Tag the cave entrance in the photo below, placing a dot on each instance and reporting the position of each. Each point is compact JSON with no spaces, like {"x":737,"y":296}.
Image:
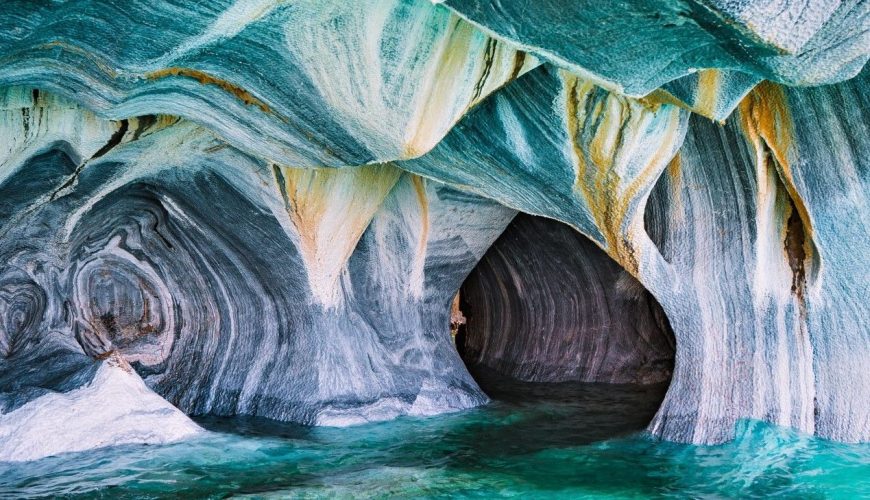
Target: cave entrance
{"x":547,"y":315}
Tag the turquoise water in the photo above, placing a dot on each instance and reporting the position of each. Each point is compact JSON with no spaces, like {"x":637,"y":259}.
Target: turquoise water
{"x":563,"y":440}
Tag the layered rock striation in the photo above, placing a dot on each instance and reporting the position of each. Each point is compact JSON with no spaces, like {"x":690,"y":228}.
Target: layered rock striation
{"x":547,"y":305}
{"x":265,"y":208}
{"x":721,"y":232}
{"x":231,"y":285}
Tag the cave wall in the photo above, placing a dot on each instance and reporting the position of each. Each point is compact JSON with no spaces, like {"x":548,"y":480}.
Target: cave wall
{"x":309,"y":84}
{"x":740,"y":272}
{"x":156,"y":222}
{"x":781,"y":278}
{"x":272,"y":302}
{"x":704,"y":55}
{"x":547,"y":305}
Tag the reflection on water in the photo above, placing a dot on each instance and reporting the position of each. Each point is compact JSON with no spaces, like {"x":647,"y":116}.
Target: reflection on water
{"x":565,"y":440}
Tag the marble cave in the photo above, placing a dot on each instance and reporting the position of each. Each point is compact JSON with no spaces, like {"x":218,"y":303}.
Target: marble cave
{"x":339,"y":218}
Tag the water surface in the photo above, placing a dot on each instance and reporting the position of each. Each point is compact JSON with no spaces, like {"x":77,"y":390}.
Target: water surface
{"x":558,"y":440}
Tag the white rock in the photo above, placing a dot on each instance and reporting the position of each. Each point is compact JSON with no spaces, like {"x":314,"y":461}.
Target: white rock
{"x":115,"y":408}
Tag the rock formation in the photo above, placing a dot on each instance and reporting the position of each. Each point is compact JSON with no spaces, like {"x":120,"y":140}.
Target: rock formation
{"x":547,"y":305}
{"x":266,"y":208}
{"x":722,"y":232}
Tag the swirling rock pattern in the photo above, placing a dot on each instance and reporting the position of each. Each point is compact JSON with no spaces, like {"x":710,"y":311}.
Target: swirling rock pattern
{"x":546,"y":305}
{"x":307,"y":83}
{"x":270,"y":303}
{"x":156,"y":212}
{"x":735,"y":261}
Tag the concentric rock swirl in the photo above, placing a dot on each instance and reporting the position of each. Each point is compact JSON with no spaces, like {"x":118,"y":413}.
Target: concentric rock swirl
{"x":267,"y":208}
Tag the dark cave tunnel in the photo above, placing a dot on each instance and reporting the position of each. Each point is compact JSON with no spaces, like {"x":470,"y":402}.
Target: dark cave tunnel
{"x":547,"y":315}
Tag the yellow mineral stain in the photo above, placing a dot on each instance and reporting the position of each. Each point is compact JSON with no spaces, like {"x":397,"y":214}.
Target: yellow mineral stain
{"x":706,"y":99}
{"x":766,"y":121}
{"x":439,"y":94}
{"x":607,"y":193}
{"x":577,"y":93}
{"x":675,"y":171}
{"x":331,"y":209}
{"x":496,"y":64}
{"x":644,"y":180}
{"x":420,"y":189}
{"x":657,"y":97}
{"x":707,"y":93}
{"x":206,"y":79}
{"x":142,"y":126}
{"x":420,"y":255}
{"x":608,"y":134}
{"x":456,"y":317}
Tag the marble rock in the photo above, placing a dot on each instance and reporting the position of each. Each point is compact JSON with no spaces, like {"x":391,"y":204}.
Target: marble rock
{"x":309,"y":83}
{"x":547,"y":305}
{"x":637,"y":46}
{"x":113,"y":408}
{"x":727,"y":226}
{"x":266,"y":208}
{"x":231,"y":285}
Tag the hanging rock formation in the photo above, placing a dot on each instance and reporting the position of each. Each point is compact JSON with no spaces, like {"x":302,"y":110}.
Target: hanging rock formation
{"x":311,"y":83}
{"x":645,"y":45}
{"x":316,"y":296}
{"x":735,"y":260}
{"x":265,"y":208}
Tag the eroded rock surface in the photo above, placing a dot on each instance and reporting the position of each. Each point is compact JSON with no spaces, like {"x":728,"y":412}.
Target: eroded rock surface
{"x":231,"y":285}
{"x":173,"y":224}
{"x":547,"y":305}
{"x":735,"y":258}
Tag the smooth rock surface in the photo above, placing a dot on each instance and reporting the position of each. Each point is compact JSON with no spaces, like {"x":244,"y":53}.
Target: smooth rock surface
{"x":270,"y":303}
{"x":735,"y":259}
{"x":305,"y":84}
{"x":114,"y":408}
{"x":637,"y":46}
{"x":168,"y":200}
{"x":547,"y":305}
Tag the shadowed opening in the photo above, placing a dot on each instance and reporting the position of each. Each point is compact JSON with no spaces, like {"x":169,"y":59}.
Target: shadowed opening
{"x":546,"y":314}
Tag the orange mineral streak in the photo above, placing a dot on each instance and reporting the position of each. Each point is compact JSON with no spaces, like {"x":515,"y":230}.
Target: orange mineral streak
{"x":767,"y":123}
{"x":611,"y":197}
{"x":456,"y":52}
{"x":164,"y":121}
{"x":706,"y":99}
{"x":675,"y":178}
{"x":707,"y":95}
{"x":331,"y":208}
{"x":420,"y":189}
{"x":419,"y":261}
{"x":660,"y":96}
{"x":206,"y":79}
{"x":304,"y":216}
